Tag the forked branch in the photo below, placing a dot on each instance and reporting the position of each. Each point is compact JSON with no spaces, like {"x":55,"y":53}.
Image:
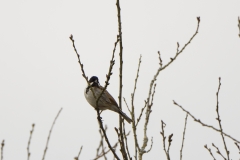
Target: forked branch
{"x":105,"y":87}
{"x":204,"y":124}
{"x":219,"y":120}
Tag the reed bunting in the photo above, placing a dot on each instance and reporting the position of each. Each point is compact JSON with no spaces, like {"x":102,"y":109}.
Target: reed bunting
{"x":105,"y":102}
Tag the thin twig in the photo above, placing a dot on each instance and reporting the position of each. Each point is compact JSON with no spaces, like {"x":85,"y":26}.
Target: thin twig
{"x":101,"y":155}
{"x":122,"y":145}
{"x":77,"y":158}
{"x":134,"y":124}
{"x":133,"y":94}
{"x":2,"y":146}
{"x":119,"y":138}
{"x":184,"y":131}
{"x":219,"y":120}
{"x":114,"y":147}
{"x":209,"y":150}
{"x":164,"y":138}
{"x":105,"y":135}
{"x":112,"y":62}
{"x":178,"y":47}
{"x":204,"y":124}
{"x":152,"y":97}
{"x":29,"y":142}
{"x":149,"y":104}
{"x":150,"y":146}
{"x":125,"y":137}
{"x":49,"y":135}
{"x":140,"y":115}
{"x":126,"y":105}
{"x":239,"y":25}
{"x":102,"y":144}
{"x":218,"y":151}
{"x":179,"y":52}
{"x":79,"y":60}
{"x":237,"y":147}
{"x":169,"y":143}
{"x":80,"y":63}
{"x":160,"y":59}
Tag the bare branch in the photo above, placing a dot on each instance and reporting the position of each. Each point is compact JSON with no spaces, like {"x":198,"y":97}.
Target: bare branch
{"x":79,"y":60}
{"x":106,"y":152}
{"x":101,"y":141}
{"x":119,"y":139}
{"x":122,"y":145}
{"x":184,"y":131}
{"x":105,"y":135}
{"x":152,"y":97}
{"x":127,"y":105}
{"x":204,"y":124}
{"x":29,"y":142}
{"x":140,"y":115}
{"x":209,"y":150}
{"x":77,"y":158}
{"x":169,"y":142}
{"x":150,"y":146}
{"x":152,"y":86}
{"x":49,"y":135}
{"x":112,"y":62}
{"x":219,"y":120}
{"x":102,"y":144}
{"x":160,"y":59}
{"x":125,"y":137}
{"x":2,"y":146}
{"x":134,"y":125}
{"x":105,"y":87}
{"x":218,"y":151}
{"x":164,"y":138}
{"x":179,"y":52}
{"x":148,"y":112}
{"x":133,"y":113}
{"x":239,"y":25}
{"x":133,"y":94}
{"x":237,"y":147}
{"x":178,"y":47}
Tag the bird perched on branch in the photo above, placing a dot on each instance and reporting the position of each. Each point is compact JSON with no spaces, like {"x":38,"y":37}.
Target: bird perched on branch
{"x":106,"y":101}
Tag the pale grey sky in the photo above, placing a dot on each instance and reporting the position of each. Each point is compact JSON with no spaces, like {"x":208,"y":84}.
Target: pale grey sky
{"x":40,"y":73}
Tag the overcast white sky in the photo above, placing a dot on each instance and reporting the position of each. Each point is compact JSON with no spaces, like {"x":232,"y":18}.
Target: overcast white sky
{"x":40,"y":73}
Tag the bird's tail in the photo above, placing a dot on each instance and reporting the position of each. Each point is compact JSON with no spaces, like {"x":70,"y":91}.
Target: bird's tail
{"x":129,"y":120}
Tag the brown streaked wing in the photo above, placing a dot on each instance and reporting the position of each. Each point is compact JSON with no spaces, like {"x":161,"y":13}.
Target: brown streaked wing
{"x":108,"y":95}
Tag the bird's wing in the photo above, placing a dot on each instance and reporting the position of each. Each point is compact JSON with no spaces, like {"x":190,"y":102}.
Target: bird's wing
{"x":107,"y":97}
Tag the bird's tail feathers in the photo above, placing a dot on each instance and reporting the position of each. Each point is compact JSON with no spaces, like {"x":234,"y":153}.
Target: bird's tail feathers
{"x":129,"y":120}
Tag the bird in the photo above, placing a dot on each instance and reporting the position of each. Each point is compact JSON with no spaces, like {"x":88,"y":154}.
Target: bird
{"x":106,"y":101}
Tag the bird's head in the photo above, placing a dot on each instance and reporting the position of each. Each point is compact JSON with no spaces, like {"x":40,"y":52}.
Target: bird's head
{"x":94,"y":81}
